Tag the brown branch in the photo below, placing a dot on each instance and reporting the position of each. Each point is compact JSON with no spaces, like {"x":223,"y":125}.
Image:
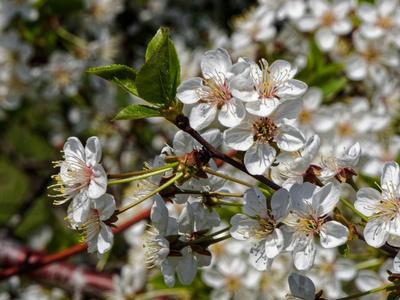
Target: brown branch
{"x":21,"y":260}
{"x":182,"y":122}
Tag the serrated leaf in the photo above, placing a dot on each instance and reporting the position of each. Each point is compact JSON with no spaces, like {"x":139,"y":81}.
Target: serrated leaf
{"x":118,"y":74}
{"x":155,"y":42}
{"x":344,"y":250}
{"x":135,"y":112}
{"x":159,"y":77}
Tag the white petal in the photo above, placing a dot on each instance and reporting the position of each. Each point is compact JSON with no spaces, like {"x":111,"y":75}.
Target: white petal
{"x":183,"y":143}
{"x":304,"y":258}
{"x":216,"y":63}
{"x":375,"y":234}
{"x":168,"y":271}
{"x":356,"y":68}
{"x":254,"y":202}
{"x":289,"y":138}
{"x":187,"y":269}
{"x":98,"y":183}
{"x":274,"y":244}
{"x":280,"y":204}
{"x":367,"y":200}
{"x":396,"y":263}
{"x":105,"y":205}
{"x":159,"y":214}
{"x":342,"y":27}
{"x":301,"y":286}
{"x":105,"y":239}
{"x":242,"y":226}
{"x":259,"y":158}
{"x":325,"y":38}
{"x":239,"y":137}
{"x":288,"y":111}
{"x":93,"y":151}
{"x":301,"y":195}
{"x":307,"y":24}
{"x":292,"y":89}
{"x":232,"y":113}
{"x":326,"y":198}
{"x":263,"y":108}
{"x":390,"y":179}
{"x":72,"y":148}
{"x":202,"y":115}
{"x":333,"y":234}
{"x":258,"y":257}
{"x":188,"y":91}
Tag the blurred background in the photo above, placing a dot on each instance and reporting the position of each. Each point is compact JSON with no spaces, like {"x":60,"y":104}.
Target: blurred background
{"x":346,"y":51}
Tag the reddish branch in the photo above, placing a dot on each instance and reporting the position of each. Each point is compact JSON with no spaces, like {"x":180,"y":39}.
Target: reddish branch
{"x":18,"y":259}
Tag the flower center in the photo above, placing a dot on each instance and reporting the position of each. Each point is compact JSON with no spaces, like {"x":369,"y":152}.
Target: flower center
{"x":385,"y":22}
{"x":264,"y":130}
{"x":327,"y":19}
{"x":215,"y":91}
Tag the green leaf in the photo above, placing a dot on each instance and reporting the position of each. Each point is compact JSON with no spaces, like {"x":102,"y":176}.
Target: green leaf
{"x":155,"y":42}
{"x":118,"y":74}
{"x":333,"y":86}
{"x":134,"y":112}
{"x":370,"y":181}
{"x":344,"y":250}
{"x":159,"y":77}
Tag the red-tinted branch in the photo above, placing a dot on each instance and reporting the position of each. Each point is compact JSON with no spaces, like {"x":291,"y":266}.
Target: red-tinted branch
{"x":182,"y":122}
{"x":20,"y":260}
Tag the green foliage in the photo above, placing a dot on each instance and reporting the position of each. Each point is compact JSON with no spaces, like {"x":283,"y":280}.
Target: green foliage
{"x":65,"y":7}
{"x":327,"y":76}
{"x":344,"y":250}
{"x":369,"y":181}
{"x":137,"y":112}
{"x":159,"y":77}
{"x":120,"y":75}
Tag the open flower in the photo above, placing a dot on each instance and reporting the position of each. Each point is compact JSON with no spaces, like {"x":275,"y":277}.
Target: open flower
{"x":311,"y":206}
{"x":213,"y":93}
{"x":80,"y":172}
{"x":382,"y":208}
{"x":262,"y":224}
{"x":259,"y":135}
{"x":96,"y":231}
{"x":269,"y":87}
{"x":156,"y":244}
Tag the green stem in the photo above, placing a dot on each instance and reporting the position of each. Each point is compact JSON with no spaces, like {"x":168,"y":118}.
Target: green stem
{"x":369,"y":264}
{"x":228,"y":203}
{"x":73,"y":39}
{"x":349,"y":205}
{"x":159,"y":189}
{"x":137,"y":173}
{"x":212,"y":172}
{"x":356,"y":296}
{"x":181,"y":293}
{"x":209,"y":193}
{"x":220,"y":239}
{"x":140,"y":176}
{"x":352,"y":183}
{"x":205,"y":238}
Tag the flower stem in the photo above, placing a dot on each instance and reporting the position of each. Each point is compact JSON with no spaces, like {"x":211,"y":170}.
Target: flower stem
{"x":209,"y":193}
{"x":208,"y":237}
{"x":356,"y":296}
{"x":369,"y":264}
{"x":352,"y":183}
{"x":212,"y":172}
{"x":181,"y":293}
{"x":73,"y":39}
{"x":159,"y":189}
{"x":125,"y":175}
{"x":182,"y":122}
{"x":146,"y":175}
{"x":349,"y":205}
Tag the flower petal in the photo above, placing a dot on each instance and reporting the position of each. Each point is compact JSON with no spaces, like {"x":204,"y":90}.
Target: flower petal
{"x":333,"y":234}
{"x":98,"y":182}
{"x":367,"y":201}
{"x":259,"y":158}
{"x":188,"y":91}
{"x":202,"y":115}
{"x":93,"y":151}
{"x":375,"y":234}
